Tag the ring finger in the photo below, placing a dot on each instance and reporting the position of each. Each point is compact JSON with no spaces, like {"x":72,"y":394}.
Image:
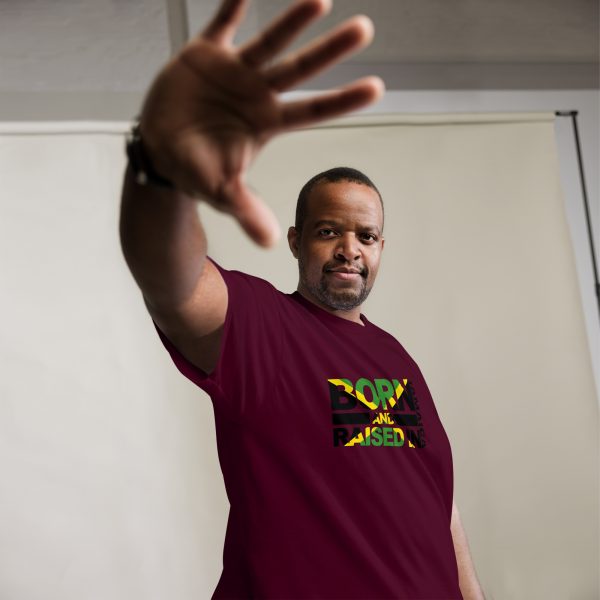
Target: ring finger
{"x":281,"y":32}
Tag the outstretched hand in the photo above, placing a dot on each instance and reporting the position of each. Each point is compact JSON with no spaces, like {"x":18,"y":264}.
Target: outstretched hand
{"x":213,"y":107}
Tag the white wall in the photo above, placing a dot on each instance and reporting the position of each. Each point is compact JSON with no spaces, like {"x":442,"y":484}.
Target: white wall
{"x":108,"y":453}
{"x":587,"y":102}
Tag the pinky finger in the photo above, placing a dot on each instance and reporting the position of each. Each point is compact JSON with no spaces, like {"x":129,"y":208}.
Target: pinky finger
{"x":223,"y":25}
{"x":353,"y":96}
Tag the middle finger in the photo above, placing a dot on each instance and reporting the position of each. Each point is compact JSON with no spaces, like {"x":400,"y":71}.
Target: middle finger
{"x":352,"y":35}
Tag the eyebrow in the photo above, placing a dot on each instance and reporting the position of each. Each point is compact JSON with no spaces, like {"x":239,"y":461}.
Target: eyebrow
{"x":338,"y":223}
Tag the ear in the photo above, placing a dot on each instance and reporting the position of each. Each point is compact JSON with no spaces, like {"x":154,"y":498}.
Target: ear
{"x":293,"y":240}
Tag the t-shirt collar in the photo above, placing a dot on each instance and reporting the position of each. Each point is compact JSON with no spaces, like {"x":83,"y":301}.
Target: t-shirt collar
{"x":329,"y":317}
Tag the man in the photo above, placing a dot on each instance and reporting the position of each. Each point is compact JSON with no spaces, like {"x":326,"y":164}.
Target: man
{"x":336,"y":465}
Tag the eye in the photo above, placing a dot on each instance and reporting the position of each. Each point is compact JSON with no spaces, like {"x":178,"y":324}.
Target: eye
{"x":373,"y":238}
{"x":321,"y":230}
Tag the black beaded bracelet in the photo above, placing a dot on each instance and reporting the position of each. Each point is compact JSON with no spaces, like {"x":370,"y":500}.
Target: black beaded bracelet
{"x":141,"y":166}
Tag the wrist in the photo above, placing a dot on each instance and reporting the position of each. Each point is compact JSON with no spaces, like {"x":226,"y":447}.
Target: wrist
{"x":142,"y":166}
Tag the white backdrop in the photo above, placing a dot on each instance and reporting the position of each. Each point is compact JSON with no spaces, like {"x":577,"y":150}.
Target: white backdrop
{"x":111,"y":485}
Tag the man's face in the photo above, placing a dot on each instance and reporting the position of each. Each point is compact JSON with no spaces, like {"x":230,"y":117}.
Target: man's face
{"x":342,"y":230}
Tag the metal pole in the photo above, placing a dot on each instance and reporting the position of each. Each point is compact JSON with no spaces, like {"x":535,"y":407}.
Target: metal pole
{"x":573,"y":115}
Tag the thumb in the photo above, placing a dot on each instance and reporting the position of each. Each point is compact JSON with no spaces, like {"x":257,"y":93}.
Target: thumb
{"x":254,"y":216}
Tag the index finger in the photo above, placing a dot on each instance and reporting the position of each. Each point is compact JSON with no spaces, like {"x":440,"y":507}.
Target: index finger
{"x":334,"y":103}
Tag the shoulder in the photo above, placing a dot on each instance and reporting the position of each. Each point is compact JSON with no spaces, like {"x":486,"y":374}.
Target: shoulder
{"x":252,"y":300}
{"x":242,"y":279}
{"x":390,"y":341}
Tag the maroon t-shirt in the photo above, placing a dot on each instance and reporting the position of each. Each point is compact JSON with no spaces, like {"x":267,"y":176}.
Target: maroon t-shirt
{"x":336,"y":465}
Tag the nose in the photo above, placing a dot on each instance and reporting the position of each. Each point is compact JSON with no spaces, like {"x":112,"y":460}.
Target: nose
{"x":348,"y":248}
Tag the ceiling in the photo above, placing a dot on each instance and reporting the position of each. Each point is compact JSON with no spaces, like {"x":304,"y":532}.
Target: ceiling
{"x":451,"y":31}
{"x":453,"y":44}
{"x":97,"y":53}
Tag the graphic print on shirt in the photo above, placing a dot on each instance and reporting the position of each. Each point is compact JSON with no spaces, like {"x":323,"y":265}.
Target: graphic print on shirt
{"x":376,"y":412}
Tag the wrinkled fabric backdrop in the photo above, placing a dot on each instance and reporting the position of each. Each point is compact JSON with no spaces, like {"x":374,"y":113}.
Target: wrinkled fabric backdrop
{"x":111,"y":486}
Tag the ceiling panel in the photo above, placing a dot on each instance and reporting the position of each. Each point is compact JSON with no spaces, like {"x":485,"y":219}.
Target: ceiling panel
{"x":64,"y":45}
{"x":82,"y":58}
{"x":437,"y":31}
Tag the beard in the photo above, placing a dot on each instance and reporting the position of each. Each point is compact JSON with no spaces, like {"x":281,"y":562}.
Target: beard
{"x":337,"y":297}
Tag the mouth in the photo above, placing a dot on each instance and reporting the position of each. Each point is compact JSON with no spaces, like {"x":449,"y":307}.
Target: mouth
{"x":344,"y":274}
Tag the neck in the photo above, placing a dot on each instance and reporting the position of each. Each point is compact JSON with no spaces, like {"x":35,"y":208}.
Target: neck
{"x":352,"y":314}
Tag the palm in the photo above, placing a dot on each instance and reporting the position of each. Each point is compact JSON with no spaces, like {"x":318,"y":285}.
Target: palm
{"x":213,"y":106}
{"x":225,"y":113}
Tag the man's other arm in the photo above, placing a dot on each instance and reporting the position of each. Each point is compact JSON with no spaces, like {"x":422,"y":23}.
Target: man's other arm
{"x":467,"y":578}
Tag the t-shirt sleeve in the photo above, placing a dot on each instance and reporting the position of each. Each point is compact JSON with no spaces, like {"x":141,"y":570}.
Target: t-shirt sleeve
{"x":251,"y":341}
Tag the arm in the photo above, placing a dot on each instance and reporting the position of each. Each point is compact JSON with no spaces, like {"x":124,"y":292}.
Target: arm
{"x":467,"y":579}
{"x":206,"y":116}
{"x":164,"y":245}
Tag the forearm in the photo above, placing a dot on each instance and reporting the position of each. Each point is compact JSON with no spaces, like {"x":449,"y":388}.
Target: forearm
{"x":467,"y":578}
{"x":163,"y":241}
